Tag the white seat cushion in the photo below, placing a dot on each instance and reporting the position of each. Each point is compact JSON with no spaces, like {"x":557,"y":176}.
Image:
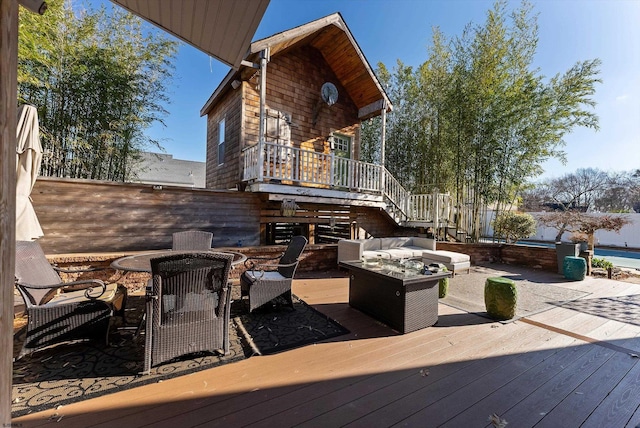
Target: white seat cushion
{"x":399,"y":253}
{"x":445,"y":256}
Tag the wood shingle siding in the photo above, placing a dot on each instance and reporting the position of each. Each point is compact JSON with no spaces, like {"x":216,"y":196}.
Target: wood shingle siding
{"x":293,"y":87}
{"x":225,"y":175}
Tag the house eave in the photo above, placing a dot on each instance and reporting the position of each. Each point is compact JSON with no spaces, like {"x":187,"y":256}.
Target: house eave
{"x":220,"y":28}
{"x":217,"y":93}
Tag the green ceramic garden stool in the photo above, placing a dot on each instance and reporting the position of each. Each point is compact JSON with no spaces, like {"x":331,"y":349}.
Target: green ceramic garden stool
{"x":500,"y":298}
{"x":574,"y":268}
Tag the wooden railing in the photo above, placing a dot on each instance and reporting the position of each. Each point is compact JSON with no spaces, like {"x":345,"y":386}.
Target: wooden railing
{"x":290,"y":164}
{"x":396,"y":196}
{"x":280,"y":162}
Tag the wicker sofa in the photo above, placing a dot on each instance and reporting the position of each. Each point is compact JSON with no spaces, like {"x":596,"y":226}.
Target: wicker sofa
{"x":399,"y":248}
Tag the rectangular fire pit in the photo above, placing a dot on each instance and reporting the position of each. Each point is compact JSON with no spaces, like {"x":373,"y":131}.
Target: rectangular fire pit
{"x":400,"y":296}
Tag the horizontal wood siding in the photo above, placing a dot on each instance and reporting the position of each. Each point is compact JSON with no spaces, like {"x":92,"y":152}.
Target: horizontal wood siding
{"x":373,"y":222}
{"x":88,"y":216}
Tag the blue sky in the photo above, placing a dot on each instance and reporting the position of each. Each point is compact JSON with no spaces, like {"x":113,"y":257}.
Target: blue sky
{"x":388,"y":30}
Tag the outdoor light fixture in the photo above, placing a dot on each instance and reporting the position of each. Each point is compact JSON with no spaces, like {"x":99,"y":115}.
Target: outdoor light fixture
{"x":288,"y":208}
{"x":35,"y":6}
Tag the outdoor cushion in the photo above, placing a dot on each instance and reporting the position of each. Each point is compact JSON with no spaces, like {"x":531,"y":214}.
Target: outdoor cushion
{"x":445,"y":256}
{"x":402,"y":253}
{"x":268,"y":275}
{"x":79,"y":296}
{"x":394,"y":242}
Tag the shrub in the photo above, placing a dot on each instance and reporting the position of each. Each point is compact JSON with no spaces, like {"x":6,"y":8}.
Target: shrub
{"x":601,"y":263}
{"x":513,"y":226}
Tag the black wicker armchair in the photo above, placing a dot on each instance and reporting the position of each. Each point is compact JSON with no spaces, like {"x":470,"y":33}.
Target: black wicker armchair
{"x":188,"y":306}
{"x":262,"y":281}
{"x":60,"y":312}
{"x":192,"y":240}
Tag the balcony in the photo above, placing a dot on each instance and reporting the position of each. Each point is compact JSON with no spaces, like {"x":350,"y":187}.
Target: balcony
{"x":283,"y":169}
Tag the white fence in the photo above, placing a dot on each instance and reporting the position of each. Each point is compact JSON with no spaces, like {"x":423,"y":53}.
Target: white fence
{"x":629,"y":235}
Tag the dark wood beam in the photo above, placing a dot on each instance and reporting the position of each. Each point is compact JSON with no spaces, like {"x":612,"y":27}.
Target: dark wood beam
{"x":8,"y":96}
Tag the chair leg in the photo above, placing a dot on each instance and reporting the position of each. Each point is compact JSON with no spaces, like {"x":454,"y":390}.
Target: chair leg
{"x":289,"y":298}
{"x":148,"y":337}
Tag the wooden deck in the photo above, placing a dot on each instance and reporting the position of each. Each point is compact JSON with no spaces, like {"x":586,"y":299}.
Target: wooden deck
{"x":559,"y":368}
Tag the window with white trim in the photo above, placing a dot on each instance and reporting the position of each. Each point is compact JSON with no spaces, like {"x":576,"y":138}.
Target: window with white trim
{"x":341,"y":143}
{"x":221,"y":138}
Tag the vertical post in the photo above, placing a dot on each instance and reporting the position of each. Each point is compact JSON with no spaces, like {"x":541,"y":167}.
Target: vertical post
{"x":332,"y":171}
{"x":8,"y":123}
{"x":436,"y":220}
{"x":383,"y":132}
{"x":264,"y":59}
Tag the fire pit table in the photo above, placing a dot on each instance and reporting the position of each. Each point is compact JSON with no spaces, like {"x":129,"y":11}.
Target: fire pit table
{"x":395,"y":292}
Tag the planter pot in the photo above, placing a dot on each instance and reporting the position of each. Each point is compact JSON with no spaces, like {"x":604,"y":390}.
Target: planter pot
{"x":443,"y":285}
{"x":574,"y":268}
{"x":564,"y":249}
{"x":500,"y":298}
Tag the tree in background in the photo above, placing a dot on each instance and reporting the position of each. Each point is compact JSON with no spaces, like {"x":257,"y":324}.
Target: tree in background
{"x":477,"y":119}
{"x":588,"y":189}
{"x":98,"y":82}
{"x":578,"y":222}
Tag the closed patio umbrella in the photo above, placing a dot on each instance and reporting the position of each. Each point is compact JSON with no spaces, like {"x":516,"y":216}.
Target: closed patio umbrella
{"x":28,"y":159}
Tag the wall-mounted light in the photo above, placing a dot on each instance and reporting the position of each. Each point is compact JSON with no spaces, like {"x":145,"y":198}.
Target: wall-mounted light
{"x":35,"y":6}
{"x":288,"y":208}
{"x":157,"y":187}
{"x":236,"y":84}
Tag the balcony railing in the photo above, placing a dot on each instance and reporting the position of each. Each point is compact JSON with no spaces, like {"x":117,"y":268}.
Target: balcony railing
{"x":280,"y":162}
{"x":296,"y":166}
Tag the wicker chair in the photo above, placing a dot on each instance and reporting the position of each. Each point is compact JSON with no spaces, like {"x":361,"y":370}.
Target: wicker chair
{"x":188,"y":306}
{"x":60,"y":312}
{"x":192,"y":240}
{"x":262,"y":282}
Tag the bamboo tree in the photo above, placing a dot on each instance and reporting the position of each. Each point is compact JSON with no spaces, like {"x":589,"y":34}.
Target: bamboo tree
{"x":477,"y":119}
{"x":98,"y":81}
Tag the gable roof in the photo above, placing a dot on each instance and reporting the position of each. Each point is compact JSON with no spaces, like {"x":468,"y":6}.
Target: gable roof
{"x":331,"y":36}
{"x":220,"y":28}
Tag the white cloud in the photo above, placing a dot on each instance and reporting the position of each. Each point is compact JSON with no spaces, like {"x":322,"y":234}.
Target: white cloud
{"x":622,"y":98}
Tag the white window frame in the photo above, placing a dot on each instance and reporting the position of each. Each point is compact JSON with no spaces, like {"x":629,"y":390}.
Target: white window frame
{"x":341,"y":142}
{"x":221,"y":140}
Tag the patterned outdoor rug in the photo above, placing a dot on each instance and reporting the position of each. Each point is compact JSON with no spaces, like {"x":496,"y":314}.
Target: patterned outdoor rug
{"x":625,"y":309}
{"x":73,"y":372}
{"x":537,"y":291}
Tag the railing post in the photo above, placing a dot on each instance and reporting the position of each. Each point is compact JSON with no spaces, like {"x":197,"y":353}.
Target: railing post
{"x":260,"y":157}
{"x":332,"y":172}
{"x":264,"y":59}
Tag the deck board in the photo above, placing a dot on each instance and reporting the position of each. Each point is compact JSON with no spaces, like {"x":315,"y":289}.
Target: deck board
{"x":554,"y":372}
